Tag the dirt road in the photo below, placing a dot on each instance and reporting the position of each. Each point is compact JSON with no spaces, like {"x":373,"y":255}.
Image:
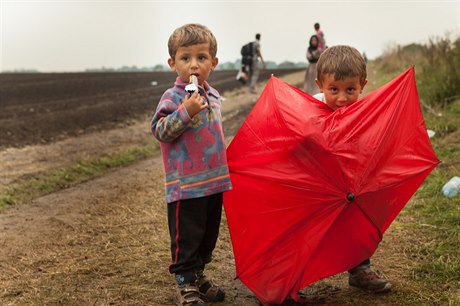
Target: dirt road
{"x":105,"y":242}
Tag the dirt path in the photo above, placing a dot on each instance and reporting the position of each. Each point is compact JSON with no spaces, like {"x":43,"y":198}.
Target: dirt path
{"x":105,"y":242}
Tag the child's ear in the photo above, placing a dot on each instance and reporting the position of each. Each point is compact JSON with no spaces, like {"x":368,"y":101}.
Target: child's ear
{"x":172,"y":64}
{"x":215,"y":61}
{"x":318,"y":83}
{"x":362,"y":86}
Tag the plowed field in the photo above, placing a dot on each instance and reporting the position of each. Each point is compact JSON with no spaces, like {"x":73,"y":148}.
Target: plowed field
{"x":45,"y":107}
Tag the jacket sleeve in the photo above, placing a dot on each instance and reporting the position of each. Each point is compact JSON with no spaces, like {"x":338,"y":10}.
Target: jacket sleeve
{"x":170,"y":119}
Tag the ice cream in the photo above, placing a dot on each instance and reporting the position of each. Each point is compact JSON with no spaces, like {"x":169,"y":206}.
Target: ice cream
{"x":193,"y":86}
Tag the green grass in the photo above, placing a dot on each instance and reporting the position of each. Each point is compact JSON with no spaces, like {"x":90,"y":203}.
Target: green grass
{"x":65,"y":177}
{"x":438,"y":217}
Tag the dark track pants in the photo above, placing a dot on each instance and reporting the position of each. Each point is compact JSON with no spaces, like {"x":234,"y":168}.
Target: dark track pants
{"x":365,"y":263}
{"x":193,"y":229}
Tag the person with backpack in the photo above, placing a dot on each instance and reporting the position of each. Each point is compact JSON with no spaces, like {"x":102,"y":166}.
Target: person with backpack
{"x":253,"y":63}
{"x":246,"y":62}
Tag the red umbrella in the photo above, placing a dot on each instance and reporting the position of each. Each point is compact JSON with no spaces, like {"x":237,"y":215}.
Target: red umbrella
{"x":314,"y":190}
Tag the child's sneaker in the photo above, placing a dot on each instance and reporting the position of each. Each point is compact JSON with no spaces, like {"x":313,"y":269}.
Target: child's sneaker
{"x":365,"y":278}
{"x":210,"y":292}
{"x":188,"y":295}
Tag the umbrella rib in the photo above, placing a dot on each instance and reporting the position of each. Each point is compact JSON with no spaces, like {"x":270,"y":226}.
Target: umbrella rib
{"x":257,"y":136}
{"x":381,"y":143}
{"x":370,"y":221}
{"x":283,"y":121}
{"x":316,"y":162}
{"x":270,"y":180}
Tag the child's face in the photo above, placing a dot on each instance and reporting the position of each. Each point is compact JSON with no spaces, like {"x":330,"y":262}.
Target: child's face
{"x":339,"y":93}
{"x":194,"y":59}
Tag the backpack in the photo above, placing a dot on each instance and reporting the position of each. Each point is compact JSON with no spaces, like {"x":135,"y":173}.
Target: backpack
{"x":247,"y":53}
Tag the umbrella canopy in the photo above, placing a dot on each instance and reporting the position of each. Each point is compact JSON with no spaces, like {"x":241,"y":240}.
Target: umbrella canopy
{"x":314,"y":190}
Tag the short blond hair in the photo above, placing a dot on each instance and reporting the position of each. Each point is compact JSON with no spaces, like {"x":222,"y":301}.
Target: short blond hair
{"x":341,"y":61}
{"x":191,"y":34}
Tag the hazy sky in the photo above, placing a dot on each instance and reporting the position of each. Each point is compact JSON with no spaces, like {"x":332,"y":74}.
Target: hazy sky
{"x":72,"y":35}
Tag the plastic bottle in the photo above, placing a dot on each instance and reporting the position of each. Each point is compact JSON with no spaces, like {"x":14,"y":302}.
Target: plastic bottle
{"x":452,"y":187}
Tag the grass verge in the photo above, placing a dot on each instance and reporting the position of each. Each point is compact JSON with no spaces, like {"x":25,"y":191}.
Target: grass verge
{"x":435,"y":219}
{"x":438,"y":218}
{"x":83,"y":170}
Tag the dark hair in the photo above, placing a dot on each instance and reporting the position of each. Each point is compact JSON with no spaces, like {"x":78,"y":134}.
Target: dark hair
{"x":316,"y":26}
{"x":341,"y":62}
{"x":257,"y":36}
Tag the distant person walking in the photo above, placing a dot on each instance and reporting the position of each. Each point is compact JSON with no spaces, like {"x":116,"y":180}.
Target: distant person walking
{"x":254,"y":69}
{"x":313,"y":53}
{"x":321,"y":39}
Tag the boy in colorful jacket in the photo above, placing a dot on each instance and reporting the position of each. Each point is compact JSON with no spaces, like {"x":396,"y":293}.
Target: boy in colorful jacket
{"x":189,"y":128}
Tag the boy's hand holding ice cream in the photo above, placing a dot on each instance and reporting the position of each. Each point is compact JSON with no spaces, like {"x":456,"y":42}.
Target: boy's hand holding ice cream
{"x":194,"y":103}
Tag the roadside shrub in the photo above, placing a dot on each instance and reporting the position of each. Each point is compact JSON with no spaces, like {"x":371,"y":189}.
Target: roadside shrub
{"x":400,"y":57}
{"x":440,"y":80}
{"x":437,"y":66}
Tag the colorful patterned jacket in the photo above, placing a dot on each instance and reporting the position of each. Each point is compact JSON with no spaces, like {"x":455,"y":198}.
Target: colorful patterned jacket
{"x":193,"y":150}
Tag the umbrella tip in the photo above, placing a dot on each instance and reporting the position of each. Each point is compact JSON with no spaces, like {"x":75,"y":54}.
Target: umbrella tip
{"x":350,"y":196}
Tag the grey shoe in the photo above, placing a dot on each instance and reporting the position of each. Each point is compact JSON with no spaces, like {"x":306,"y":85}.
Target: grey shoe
{"x":188,"y":295}
{"x":365,"y":278}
